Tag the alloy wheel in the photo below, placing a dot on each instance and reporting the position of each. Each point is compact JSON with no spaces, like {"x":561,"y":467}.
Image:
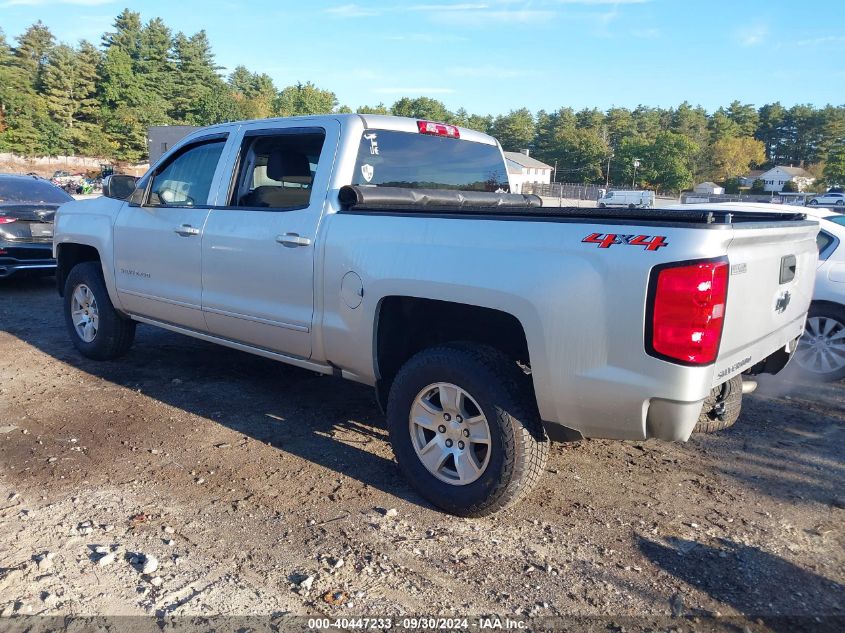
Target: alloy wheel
{"x":822,"y":348}
{"x":450,"y":434}
{"x":84,"y":313}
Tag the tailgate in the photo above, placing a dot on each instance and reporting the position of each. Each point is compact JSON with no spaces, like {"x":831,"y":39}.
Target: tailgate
{"x":772,"y":274}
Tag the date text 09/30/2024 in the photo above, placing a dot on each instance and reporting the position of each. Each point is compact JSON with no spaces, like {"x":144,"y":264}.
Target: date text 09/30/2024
{"x":421,"y":623}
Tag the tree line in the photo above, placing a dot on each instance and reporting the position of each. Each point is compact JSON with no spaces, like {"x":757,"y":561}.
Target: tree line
{"x":58,"y":99}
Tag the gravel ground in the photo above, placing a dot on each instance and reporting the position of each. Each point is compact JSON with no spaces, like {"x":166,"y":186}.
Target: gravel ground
{"x":188,"y":479}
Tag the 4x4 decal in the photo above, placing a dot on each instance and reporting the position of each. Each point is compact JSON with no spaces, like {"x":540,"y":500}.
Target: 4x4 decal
{"x":606,"y":240}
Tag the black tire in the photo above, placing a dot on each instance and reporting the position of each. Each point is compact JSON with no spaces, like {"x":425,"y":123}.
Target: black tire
{"x":840,"y":203}
{"x":602,"y":205}
{"x":721,"y":408}
{"x":115,"y":333}
{"x":518,"y":444}
{"x":632,"y":206}
{"x":814,"y":203}
{"x":829,"y":312}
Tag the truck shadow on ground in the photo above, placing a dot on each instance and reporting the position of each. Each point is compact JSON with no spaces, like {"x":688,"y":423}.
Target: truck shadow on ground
{"x":752,"y":582}
{"x":790,"y":449}
{"x":326,"y":420}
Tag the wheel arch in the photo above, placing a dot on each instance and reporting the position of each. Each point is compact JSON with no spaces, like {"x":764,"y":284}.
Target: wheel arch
{"x":70,"y":254}
{"x":405,"y":325}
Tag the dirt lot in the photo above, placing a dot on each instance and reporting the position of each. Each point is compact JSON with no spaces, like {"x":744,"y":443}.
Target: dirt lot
{"x":263,"y":489}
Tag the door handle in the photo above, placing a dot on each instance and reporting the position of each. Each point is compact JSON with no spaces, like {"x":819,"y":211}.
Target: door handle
{"x":293,"y":240}
{"x":186,"y":230}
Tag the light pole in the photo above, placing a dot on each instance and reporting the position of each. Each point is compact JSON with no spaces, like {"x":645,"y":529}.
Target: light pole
{"x":634,"y":179}
{"x":607,"y":176}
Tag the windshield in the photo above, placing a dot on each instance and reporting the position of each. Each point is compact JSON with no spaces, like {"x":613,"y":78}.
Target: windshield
{"x":420,"y":161}
{"x":30,"y":191}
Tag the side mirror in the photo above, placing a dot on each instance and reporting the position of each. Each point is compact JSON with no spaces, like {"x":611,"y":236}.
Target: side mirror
{"x":119,"y":186}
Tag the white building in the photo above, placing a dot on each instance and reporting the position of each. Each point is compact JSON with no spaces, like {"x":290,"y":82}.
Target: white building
{"x":748,"y":180}
{"x":523,"y":169}
{"x":709,"y":188}
{"x":777,"y":177}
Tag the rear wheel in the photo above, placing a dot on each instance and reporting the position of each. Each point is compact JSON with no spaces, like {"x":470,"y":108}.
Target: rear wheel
{"x":97,"y":330}
{"x":814,"y":202}
{"x":464,"y":429}
{"x":821,"y":351}
{"x":721,"y":408}
{"x":602,"y":205}
{"x":840,"y":203}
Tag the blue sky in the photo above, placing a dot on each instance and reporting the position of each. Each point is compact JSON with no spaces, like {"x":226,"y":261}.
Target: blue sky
{"x":491,"y":56}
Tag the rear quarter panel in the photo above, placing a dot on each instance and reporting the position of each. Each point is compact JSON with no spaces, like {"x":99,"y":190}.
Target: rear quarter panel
{"x":582,"y":307}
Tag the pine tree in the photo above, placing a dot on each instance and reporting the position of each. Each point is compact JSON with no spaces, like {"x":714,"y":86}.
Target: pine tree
{"x":126,"y":35}
{"x":20,"y":106}
{"x":155,"y":70}
{"x":196,"y":76}
{"x":33,"y":50}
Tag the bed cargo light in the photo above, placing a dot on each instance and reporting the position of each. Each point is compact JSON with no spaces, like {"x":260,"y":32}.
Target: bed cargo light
{"x":438,"y":129}
{"x":688,"y":311}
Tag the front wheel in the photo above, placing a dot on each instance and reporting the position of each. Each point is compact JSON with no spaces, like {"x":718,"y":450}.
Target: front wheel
{"x":840,"y":203}
{"x":97,"y":330}
{"x":814,"y":203}
{"x":464,"y":429}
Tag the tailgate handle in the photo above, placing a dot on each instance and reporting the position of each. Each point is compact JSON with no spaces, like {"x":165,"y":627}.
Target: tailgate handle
{"x":787,"y":268}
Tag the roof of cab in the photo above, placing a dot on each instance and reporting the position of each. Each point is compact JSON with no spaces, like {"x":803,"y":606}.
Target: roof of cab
{"x":370,"y":121}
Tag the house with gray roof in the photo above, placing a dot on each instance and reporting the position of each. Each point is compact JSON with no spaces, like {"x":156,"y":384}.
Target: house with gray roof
{"x":775,"y":178}
{"x":522,"y":170}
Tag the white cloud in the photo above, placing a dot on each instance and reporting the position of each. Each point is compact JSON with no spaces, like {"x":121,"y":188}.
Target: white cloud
{"x":352,"y":11}
{"x":498,"y":10}
{"x":410,"y":91}
{"x":602,"y":2}
{"x":821,"y":40}
{"x":40,"y":3}
{"x":466,"y":6}
{"x":752,"y":35}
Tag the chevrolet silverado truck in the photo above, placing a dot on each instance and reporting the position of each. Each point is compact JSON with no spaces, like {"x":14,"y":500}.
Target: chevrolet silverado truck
{"x":388,"y":251}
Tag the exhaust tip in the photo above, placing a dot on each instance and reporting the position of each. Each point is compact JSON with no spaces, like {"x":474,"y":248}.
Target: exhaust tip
{"x":748,"y":386}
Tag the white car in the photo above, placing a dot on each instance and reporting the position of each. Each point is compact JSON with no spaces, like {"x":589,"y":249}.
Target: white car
{"x":821,"y":352}
{"x":828,"y":200}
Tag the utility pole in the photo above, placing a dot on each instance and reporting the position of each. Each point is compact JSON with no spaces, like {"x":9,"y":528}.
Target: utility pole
{"x":607,"y":179}
{"x":634,"y":179}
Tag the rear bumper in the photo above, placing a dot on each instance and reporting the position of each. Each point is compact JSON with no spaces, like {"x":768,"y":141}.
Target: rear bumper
{"x":16,"y":257}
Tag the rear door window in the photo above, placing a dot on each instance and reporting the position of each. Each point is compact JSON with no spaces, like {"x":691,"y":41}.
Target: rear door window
{"x":276,"y":170}
{"x":388,"y":158}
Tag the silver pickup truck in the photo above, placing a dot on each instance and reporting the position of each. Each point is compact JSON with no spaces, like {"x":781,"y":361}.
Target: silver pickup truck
{"x":388,"y":251}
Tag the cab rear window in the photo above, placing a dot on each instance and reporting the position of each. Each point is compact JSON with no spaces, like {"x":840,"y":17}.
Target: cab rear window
{"x":387,"y":158}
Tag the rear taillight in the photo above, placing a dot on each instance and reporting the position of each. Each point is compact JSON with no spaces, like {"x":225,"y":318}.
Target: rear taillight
{"x":438,"y":129}
{"x":687,"y":311}
{"x":7,"y":220}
